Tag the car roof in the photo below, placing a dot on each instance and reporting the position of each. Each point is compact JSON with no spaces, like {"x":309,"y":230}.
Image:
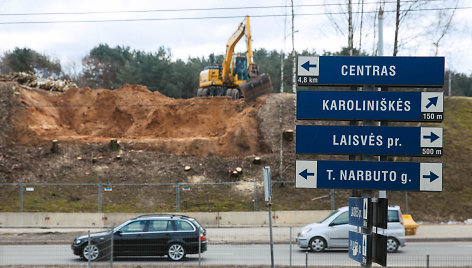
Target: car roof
{"x":162,"y":216}
{"x":389,"y":207}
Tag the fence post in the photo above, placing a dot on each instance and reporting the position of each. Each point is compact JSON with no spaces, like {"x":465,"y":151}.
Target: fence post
{"x":21,"y":197}
{"x":290,"y":263}
{"x":111,"y":248}
{"x":177,"y":196}
{"x":332,"y":200}
{"x":427,"y":261}
{"x":89,"y":250}
{"x":199,"y":246}
{"x":306,"y":259}
{"x":100,"y":197}
{"x":255,"y":195}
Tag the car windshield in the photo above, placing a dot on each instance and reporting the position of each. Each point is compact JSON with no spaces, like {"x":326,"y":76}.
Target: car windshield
{"x":336,"y":211}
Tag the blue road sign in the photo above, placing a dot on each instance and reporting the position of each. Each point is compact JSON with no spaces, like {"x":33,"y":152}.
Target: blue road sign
{"x":379,"y":71}
{"x":361,"y":105}
{"x":359,"y":211}
{"x":411,"y":141}
{"x":360,"y":247}
{"x":400,"y":176}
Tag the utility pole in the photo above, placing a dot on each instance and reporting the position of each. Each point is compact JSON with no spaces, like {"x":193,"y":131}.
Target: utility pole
{"x":449,"y":84}
{"x":350,"y":38}
{"x":382,"y":194}
{"x":294,"y":79}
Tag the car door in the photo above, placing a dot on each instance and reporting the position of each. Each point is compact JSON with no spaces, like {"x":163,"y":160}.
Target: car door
{"x":185,"y":233}
{"x":339,"y":231}
{"x":128,"y":241}
{"x":157,"y":236}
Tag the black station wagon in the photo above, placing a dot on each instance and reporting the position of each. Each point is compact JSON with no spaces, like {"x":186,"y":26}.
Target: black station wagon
{"x":147,"y":235}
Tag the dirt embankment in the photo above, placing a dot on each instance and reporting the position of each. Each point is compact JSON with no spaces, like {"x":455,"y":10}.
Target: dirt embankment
{"x":160,"y":136}
{"x":133,"y":114}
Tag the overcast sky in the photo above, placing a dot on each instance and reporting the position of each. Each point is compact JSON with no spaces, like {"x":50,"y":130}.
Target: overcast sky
{"x":192,"y":28}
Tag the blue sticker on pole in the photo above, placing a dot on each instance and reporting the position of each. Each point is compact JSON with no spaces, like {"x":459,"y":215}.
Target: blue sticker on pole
{"x":377,"y":71}
{"x":362,"y":105}
{"x":398,"y":176}
{"x":408,"y":141}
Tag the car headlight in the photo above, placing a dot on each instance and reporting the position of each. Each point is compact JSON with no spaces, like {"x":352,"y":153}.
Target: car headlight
{"x":304,"y":232}
{"x":77,"y":241}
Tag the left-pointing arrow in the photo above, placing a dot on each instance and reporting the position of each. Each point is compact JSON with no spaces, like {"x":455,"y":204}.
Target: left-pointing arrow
{"x":305,"y":174}
{"x":431,"y":176}
{"x":307,"y":65}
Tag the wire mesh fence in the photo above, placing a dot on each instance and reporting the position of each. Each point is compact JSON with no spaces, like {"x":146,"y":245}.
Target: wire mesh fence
{"x":103,"y":197}
{"x":229,"y":247}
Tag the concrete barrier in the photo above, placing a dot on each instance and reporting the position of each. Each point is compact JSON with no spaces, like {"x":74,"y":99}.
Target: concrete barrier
{"x":207,"y":219}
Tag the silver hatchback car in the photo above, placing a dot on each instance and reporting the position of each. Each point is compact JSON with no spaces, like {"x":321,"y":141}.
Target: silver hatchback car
{"x":333,"y":232}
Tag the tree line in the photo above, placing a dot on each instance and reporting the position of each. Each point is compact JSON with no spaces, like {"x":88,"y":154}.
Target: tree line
{"x":111,"y":67}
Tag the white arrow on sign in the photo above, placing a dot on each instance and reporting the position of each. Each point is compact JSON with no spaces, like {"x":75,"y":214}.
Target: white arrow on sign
{"x":365,"y":212}
{"x":364,"y":245}
{"x":431,"y":177}
{"x":431,"y":137}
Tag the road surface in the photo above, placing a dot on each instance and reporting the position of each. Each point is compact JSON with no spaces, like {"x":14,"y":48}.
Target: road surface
{"x":414,"y":254}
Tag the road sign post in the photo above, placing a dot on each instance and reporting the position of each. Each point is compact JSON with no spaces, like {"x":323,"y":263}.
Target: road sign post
{"x":359,"y":208}
{"x":395,"y":176}
{"x":408,"y":141}
{"x":379,"y":71}
{"x":360,"y":247}
{"x":369,"y":140}
{"x":374,"y":105}
{"x":366,"y":212}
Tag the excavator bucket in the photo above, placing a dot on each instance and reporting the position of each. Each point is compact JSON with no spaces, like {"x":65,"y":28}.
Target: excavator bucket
{"x":256,"y":87}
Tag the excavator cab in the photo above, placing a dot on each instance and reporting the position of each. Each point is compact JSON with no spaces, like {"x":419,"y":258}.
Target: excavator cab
{"x":240,"y":67}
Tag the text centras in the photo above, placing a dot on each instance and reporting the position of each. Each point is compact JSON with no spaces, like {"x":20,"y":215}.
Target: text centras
{"x":368,"y":70}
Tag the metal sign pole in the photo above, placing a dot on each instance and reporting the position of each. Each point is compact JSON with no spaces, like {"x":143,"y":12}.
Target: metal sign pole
{"x":268,"y":198}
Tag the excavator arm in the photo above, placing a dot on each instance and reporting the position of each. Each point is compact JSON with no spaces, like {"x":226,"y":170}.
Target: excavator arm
{"x":232,"y":41}
{"x":249,"y":55}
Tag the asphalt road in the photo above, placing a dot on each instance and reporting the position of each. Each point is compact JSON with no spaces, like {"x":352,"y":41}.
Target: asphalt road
{"x":414,"y":254}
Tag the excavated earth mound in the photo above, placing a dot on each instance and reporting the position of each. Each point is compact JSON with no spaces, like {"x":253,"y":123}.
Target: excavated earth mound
{"x":133,"y":114}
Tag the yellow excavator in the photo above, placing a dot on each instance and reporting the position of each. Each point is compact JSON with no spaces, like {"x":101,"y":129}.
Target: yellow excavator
{"x":238,"y":77}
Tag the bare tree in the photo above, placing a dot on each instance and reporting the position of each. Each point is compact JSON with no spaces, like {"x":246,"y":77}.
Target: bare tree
{"x":443,"y":26}
{"x":350,"y":38}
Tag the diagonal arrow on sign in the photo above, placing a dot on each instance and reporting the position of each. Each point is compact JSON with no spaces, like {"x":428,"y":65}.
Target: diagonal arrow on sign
{"x":432,"y":137}
{"x":432,"y":101}
{"x":305,"y":174}
{"x":432,"y":176}
{"x":307,"y":65}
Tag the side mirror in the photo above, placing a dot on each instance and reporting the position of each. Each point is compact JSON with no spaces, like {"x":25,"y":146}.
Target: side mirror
{"x":118,"y":232}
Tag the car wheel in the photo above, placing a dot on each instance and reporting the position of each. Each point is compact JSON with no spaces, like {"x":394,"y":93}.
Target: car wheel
{"x":176,"y":252}
{"x":392,"y":244}
{"x":317,"y":244}
{"x":91,"y":252}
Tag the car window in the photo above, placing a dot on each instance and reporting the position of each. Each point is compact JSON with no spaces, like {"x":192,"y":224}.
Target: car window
{"x":343,"y":218}
{"x":183,"y":226}
{"x":134,"y":227}
{"x":393,"y":216}
{"x":159,"y":226}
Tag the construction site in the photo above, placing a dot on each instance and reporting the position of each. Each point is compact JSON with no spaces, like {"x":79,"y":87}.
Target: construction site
{"x":135,"y":136}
